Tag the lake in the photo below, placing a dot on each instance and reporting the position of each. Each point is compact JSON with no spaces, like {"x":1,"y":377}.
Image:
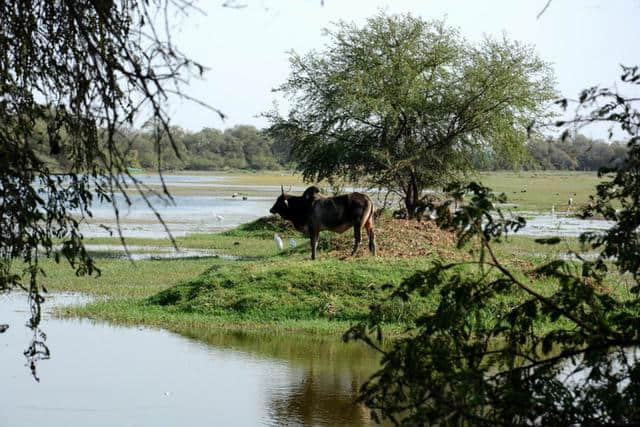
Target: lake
{"x":104,"y":375}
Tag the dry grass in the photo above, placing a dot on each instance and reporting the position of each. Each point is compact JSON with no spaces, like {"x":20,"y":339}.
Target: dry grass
{"x":400,"y":238}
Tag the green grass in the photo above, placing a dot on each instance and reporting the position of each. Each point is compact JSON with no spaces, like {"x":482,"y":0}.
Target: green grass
{"x":133,"y":312}
{"x":275,"y":292}
{"x":121,"y":278}
{"x":531,"y":190}
{"x":539,"y":190}
{"x":280,"y":294}
{"x":262,"y":228}
{"x":525,"y":248}
{"x":223,"y":243}
{"x":284,"y":295}
{"x":292,"y":289}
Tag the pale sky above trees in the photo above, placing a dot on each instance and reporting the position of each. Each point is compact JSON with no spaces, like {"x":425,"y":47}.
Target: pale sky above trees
{"x":245,"y":48}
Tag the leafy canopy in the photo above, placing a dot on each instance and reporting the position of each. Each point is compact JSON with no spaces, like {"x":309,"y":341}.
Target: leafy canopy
{"x":499,"y":350}
{"x":73,"y":75}
{"x":401,"y":103}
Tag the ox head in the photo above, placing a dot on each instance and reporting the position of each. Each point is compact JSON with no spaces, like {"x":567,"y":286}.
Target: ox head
{"x":311,"y":193}
{"x":281,"y":206}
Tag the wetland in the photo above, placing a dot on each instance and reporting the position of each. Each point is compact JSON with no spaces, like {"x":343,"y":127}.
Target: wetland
{"x":225,"y":327}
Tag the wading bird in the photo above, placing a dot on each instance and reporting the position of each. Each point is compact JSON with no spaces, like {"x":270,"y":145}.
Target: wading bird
{"x":278,"y":240}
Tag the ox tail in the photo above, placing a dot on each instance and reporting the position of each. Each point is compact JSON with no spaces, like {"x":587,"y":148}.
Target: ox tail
{"x":367,"y":222}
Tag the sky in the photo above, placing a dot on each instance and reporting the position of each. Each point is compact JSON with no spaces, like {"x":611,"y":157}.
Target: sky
{"x":246,"y":48}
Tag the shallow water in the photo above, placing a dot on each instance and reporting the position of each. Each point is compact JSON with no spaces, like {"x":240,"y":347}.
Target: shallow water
{"x":200,"y":203}
{"x":104,"y":375}
{"x":187,"y":214}
{"x":558,"y":225}
{"x":139,"y":252}
{"x":208,"y":206}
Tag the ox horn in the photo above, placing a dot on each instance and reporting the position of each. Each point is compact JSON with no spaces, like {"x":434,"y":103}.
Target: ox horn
{"x":282,"y":189}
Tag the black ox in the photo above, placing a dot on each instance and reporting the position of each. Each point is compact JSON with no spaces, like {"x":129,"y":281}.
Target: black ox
{"x":312,"y":213}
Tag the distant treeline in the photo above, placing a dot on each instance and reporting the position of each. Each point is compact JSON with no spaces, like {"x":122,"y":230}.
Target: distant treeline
{"x":240,"y":147}
{"x":247,"y":147}
{"x":579,"y":153}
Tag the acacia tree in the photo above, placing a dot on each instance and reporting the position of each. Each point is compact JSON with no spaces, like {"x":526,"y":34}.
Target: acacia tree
{"x":401,"y":103}
{"x":501,"y":350}
{"x":73,"y":74}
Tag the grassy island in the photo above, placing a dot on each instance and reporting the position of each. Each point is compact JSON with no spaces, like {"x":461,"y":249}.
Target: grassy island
{"x":251,"y":286}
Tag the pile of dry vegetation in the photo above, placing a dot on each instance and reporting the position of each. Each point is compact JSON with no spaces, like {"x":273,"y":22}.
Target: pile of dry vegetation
{"x":399,"y":238}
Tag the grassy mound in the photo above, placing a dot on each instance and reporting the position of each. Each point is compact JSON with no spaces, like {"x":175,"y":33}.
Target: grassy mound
{"x":287,"y":287}
{"x":293,"y":290}
{"x":273,"y":290}
{"x":263,"y":228}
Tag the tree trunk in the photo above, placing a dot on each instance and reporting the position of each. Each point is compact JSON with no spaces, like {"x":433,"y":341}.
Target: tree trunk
{"x":412,"y":197}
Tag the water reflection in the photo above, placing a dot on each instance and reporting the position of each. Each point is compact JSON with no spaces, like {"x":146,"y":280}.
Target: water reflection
{"x":325,"y":375}
{"x":102,"y":375}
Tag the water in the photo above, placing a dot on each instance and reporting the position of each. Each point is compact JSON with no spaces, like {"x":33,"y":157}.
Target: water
{"x":558,"y":225}
{"x":188,"y":214}
{"x":139,"y":252}
{"x":104,"y":375}
{"x":101,"y":374}
{"x":200,"y":204}
{"x":204,"y":203}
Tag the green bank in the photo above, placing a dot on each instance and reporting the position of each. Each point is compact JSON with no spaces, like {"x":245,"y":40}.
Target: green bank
{"x":281,"y":291}
{"x":259,"y":288}
{"x":538,"y":191}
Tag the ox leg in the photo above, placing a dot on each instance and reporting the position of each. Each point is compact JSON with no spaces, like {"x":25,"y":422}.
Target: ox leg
{"x":314,"y":243}
{"x":372,"y":238}
{"x":357,"y":238}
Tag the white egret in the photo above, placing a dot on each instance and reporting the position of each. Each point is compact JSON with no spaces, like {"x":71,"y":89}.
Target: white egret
{"x":278,"y":240}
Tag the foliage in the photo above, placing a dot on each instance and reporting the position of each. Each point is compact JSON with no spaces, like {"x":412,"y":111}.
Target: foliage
{"x":73,"y":75}
{"x":577,"y":153}
{"x":402,"y":103}
{"x":239,"y":147}
{"x":618,"y":199}
{"x":455,"y":369}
